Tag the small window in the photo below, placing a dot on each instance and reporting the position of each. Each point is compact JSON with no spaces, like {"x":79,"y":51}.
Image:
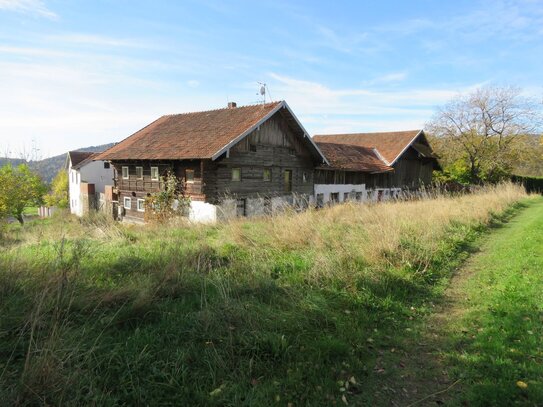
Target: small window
{"x":292,"y":151}
{"x":266,"y":174}
{"x":139,"y":172}
{"x":236,"y":174}
{"x":345,"y":196}
{"x":106,"y":165}
{"x":125,"y":172}
{"x":252,"y":147}
{"x":127,"y":203}
{"x":334,"y":197}
{"x":189,"y":176}
{"x":141,"y":205}
{"x":154,"y":173}
{"x":305,"y":177}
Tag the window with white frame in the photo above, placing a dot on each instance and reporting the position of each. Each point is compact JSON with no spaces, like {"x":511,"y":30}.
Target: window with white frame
{"x":139,"y":172}
{"x":127,"y":202}
{"x":141,"y":205}
{"x":154,"y":173}
{"x":125,"y":172}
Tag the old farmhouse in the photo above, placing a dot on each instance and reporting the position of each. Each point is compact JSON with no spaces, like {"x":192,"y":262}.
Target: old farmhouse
{"x":252,"y":160}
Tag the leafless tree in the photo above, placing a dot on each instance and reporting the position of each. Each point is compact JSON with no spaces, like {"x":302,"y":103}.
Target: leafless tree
{"x":484,"y":128}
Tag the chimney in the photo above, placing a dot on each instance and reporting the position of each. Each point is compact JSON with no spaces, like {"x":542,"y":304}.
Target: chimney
{"x":232,"y":105}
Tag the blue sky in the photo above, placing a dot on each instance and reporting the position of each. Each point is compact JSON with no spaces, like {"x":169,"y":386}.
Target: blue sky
{"x":79,"y":73}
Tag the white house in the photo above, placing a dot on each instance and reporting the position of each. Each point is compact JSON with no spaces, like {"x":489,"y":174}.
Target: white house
{"x":81,"y":168}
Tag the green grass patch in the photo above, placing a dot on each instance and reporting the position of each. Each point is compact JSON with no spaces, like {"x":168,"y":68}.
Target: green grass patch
{"x":498,"y":345}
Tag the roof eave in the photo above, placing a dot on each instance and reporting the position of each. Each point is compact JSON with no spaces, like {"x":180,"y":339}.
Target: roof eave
{"x":406,"y":147}
{"x":246,"y":132}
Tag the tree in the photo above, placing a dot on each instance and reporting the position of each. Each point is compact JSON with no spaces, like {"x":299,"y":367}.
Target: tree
{"x":19,"y":188}
{"x":59,"y":195}
{"x":483,"y":130}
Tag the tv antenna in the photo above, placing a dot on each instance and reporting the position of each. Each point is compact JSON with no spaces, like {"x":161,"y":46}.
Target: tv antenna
{"x":262,"y":92}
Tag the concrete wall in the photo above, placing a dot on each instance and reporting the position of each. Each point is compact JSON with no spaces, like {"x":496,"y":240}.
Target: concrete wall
{"x":353,"y":192}
{"x":202,"y":212}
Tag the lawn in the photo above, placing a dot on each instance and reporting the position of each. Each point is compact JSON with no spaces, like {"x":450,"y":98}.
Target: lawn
{"x":498,"y":346}
{"x":295,"y":309}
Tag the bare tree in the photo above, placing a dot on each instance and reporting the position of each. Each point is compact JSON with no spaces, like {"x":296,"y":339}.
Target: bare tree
{"x":484,"y":129}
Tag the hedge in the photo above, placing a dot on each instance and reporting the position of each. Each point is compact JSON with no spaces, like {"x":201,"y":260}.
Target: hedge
{"x":532,"y":184}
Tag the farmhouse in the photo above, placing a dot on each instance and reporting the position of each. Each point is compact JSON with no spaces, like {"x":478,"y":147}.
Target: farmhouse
{"x":87,"y":179}
{"x":385,"y":163}
{"x":253,"y":160}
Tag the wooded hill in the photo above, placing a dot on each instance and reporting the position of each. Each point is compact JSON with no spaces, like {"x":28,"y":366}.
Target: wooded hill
{"x":48,"y":167}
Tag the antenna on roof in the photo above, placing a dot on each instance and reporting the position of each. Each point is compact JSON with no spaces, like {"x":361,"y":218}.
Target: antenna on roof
{"x":262,"y":92}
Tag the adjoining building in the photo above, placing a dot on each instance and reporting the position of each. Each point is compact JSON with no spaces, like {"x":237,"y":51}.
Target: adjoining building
{"x":87,"y":179}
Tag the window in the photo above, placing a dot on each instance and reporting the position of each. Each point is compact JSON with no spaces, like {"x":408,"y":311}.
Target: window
{"x":292,"y":152}
{"x":345,"y":196}
{"x":139,"y":172}
{"x":189,"y":176}
{"x":334,"y":197}
{"x":288,"y":180}
{"x":266,"y":174}
{"x":141,"y":205}
{"x":77,"y":178}
{"x":154,"y":173}
{"x":125,"y":172}
{"x":236,"y":174}
{"x":106,"y":165}
{"x":127,"y":203}
{"x":73,"y":177}
{"x":359,"y":196}
{"x":252,"y":147}
{"x":305,"y":177}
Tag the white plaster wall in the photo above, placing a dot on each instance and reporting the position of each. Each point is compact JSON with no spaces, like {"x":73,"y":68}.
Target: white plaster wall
{"x":92,"y":173}
{"x":95,"y":173}
{"x":74,"y":188}
{"x":202,"y":212}
{"x":327,"y":189}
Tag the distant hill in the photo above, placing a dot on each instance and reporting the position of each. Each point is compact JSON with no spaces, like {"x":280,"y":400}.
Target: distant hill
{"x":49,"y":167}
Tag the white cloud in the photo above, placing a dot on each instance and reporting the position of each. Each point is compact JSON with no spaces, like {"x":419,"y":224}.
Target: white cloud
{"x":323,"y":109}
{"x":35,"y":7}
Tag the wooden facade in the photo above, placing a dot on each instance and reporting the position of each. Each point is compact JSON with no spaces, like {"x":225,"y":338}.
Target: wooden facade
{"x":272,"y":161}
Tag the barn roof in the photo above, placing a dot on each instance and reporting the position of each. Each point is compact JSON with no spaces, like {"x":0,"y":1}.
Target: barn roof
{"x":353,"y":158}
{"x":390,"y":145}
{"x":197,"y":135}
{"x":76,"y":157}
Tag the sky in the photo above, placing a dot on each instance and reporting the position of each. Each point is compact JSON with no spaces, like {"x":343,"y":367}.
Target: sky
{"x":81,"y":73}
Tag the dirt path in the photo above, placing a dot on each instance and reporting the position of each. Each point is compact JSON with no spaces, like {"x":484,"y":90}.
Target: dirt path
{"x":416,"y":372}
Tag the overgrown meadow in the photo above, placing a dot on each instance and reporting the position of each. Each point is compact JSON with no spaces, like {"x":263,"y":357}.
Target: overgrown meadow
{"x":290,"y":309}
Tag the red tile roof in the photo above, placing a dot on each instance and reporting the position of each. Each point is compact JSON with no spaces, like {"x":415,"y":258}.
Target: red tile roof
{"x":389,"y":144}
{"x":352,"y":158}
{"x":189,"y":135}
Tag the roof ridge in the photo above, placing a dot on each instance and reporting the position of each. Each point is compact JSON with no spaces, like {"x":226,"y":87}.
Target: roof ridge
{"x":368,"y":132}
{"x":222,"y":108}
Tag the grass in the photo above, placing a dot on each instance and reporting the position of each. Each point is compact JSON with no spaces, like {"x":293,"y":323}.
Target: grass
{"x":293,"y":309}
{"x":497,"y":347}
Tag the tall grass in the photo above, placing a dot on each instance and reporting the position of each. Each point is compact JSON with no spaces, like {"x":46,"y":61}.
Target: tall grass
{"x":94,"y":312}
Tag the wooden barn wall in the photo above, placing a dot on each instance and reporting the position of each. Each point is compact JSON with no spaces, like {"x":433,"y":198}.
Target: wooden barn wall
{"x":272,"y":146}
